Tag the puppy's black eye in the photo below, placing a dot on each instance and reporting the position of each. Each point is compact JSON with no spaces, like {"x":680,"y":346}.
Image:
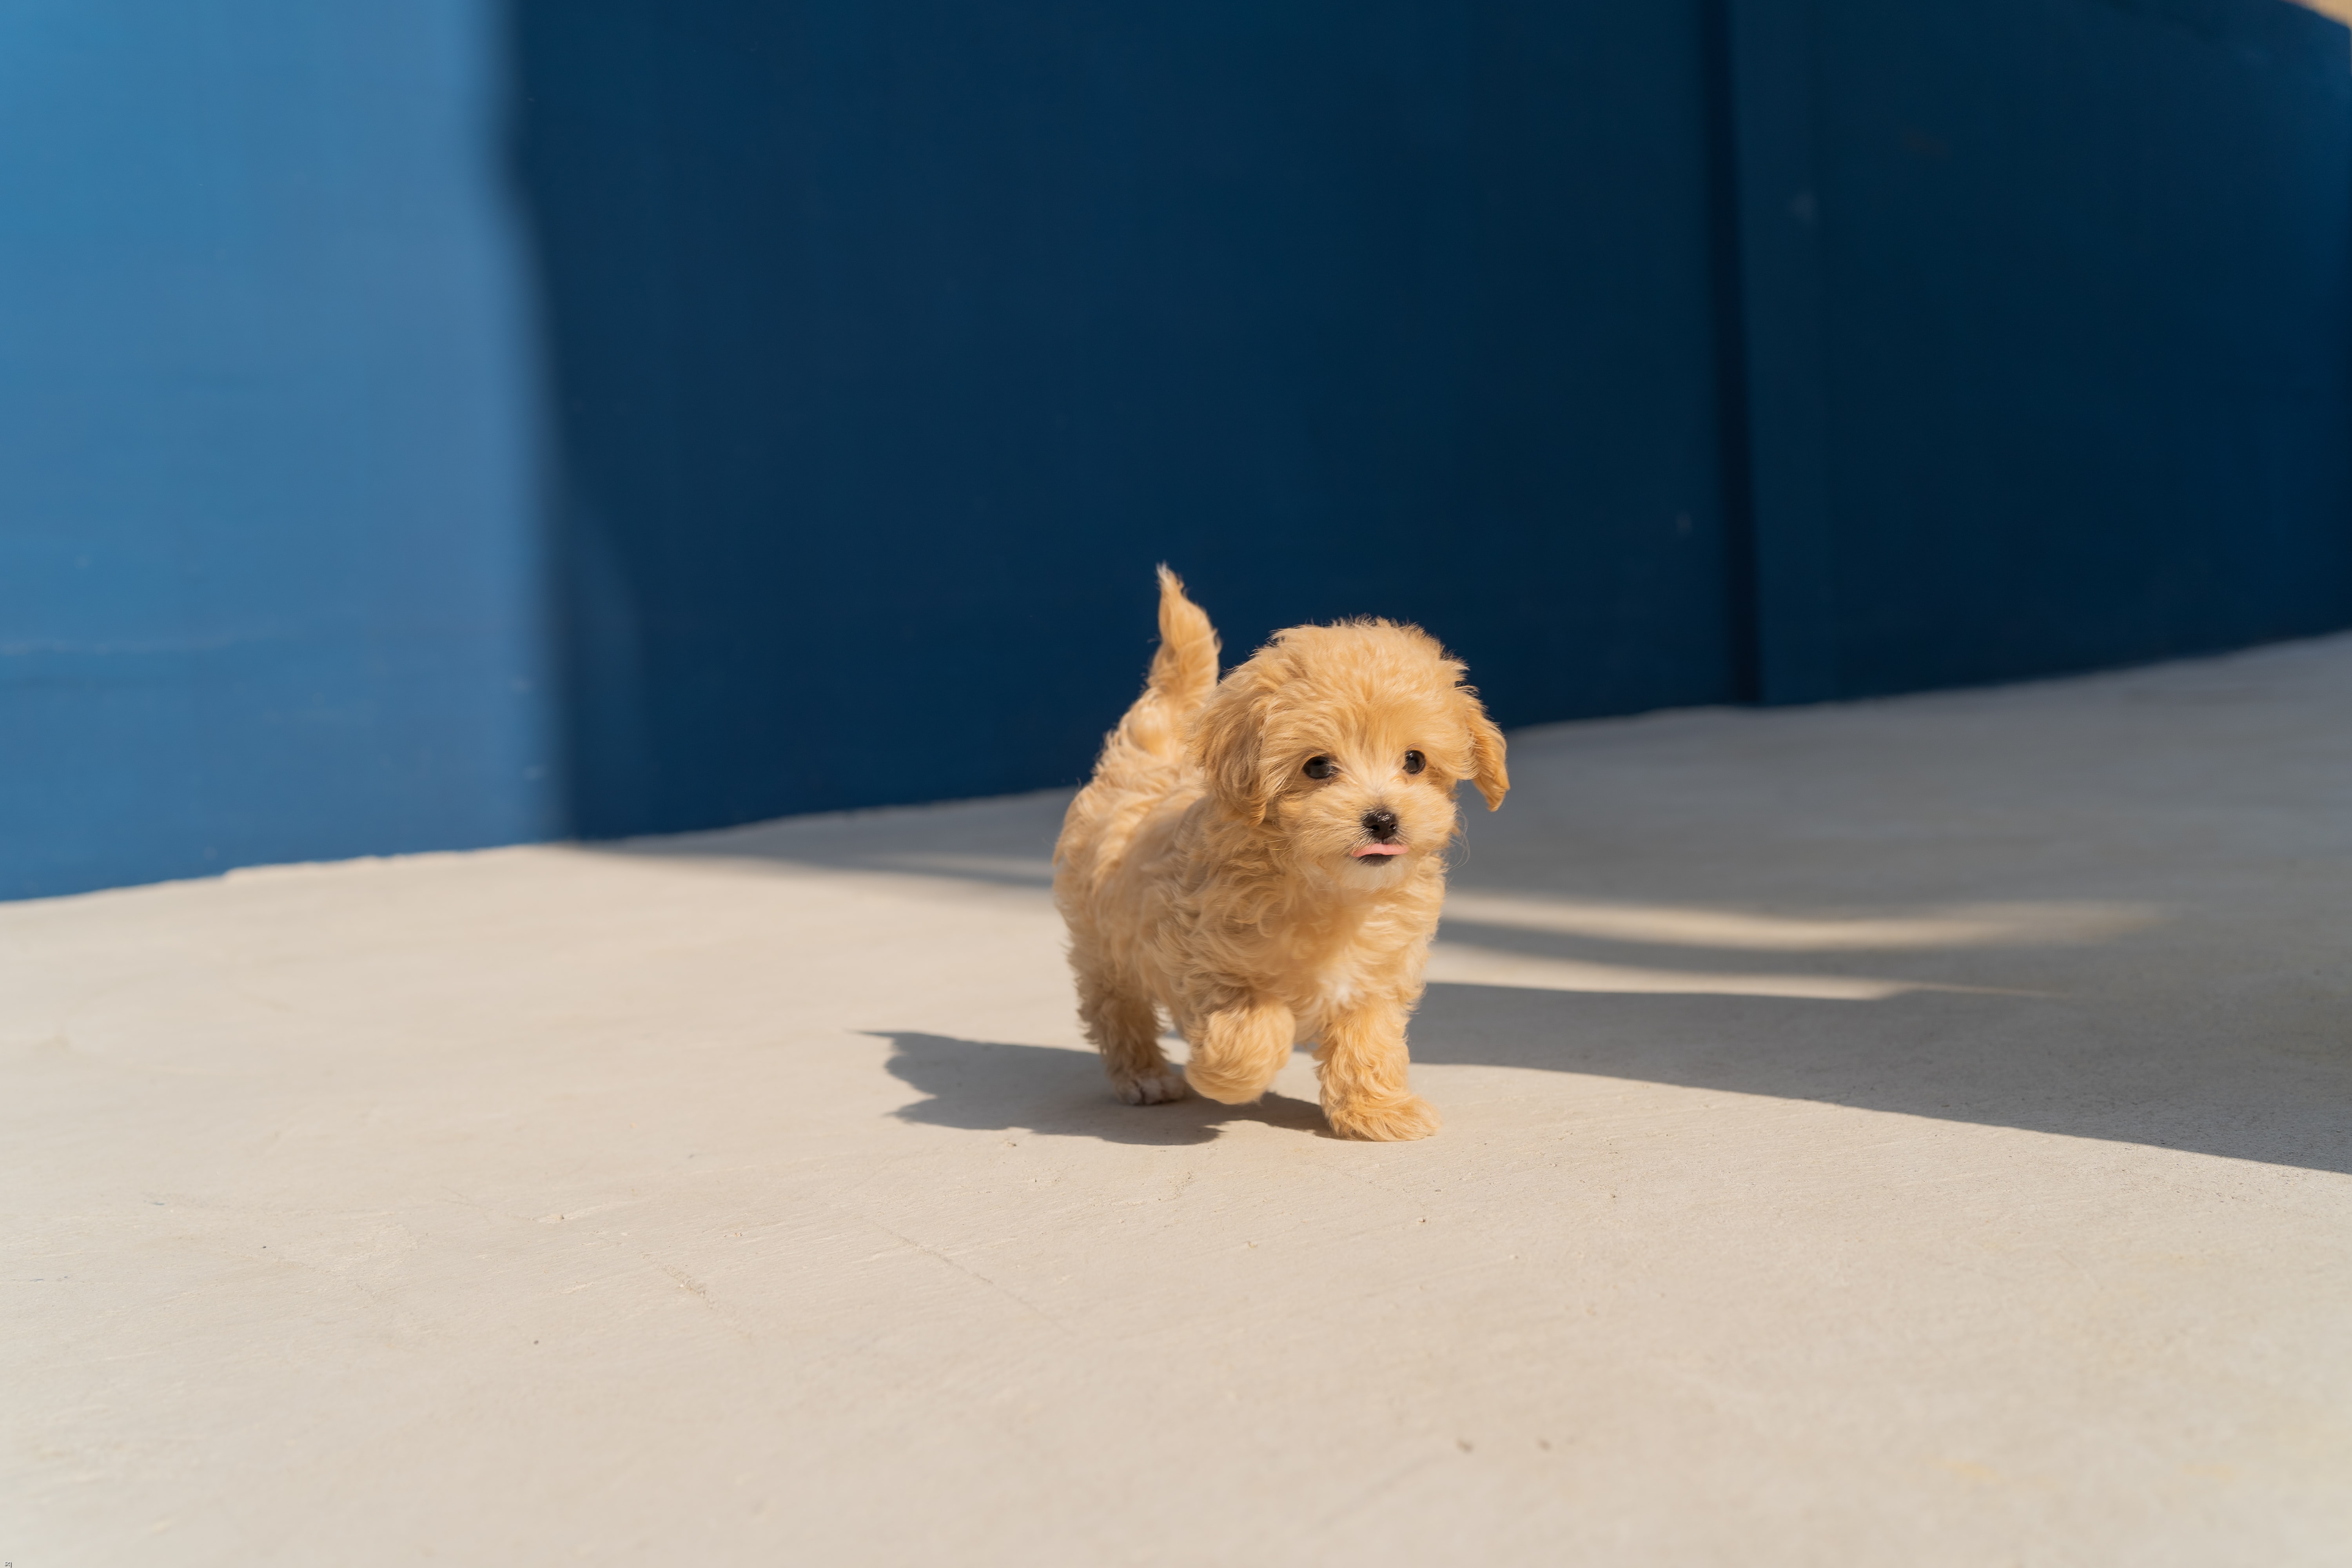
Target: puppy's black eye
{"x":1318,"y":767}
{"x":1414,"y":762}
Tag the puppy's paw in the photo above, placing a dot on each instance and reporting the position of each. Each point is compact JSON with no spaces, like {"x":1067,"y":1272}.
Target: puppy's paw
{"x":1225,"y":1088}
{"x":1149,"y":1088}
{"x":1383,"y":1122}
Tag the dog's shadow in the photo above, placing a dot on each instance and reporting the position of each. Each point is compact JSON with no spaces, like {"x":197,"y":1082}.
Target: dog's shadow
{"x":1996,"y":1059}
{"x":991,"y":1087}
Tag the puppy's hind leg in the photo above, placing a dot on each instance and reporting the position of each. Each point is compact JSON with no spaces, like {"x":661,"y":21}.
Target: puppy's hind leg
{"x":1124,"y":1026}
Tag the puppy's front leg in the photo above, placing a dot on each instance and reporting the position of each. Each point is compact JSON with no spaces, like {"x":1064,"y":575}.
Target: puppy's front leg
{"x":1237,"y":1050}
{"x":1363,"y":1059}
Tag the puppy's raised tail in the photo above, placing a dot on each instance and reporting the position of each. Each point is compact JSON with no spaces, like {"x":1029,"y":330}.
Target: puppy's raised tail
{"x":1184,"y":673}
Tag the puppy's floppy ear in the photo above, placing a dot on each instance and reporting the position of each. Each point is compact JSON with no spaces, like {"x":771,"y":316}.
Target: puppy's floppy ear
{"x":1226,"y":743}
{"x":1487,"y":770}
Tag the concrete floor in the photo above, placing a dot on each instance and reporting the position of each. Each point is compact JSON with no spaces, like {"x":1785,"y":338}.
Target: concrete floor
{"x":1906,"y":1132}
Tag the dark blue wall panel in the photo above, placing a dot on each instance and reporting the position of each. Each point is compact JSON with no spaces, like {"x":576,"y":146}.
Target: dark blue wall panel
{"x":2053,"y":339}
{"x":896,"y":340}
{"x":269,"y":558}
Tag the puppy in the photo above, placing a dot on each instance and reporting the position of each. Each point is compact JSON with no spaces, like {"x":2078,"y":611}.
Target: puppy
{"x":1263,"y":859}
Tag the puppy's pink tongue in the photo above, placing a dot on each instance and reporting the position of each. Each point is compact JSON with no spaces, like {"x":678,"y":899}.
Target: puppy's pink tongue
{"x":1370,"y":850}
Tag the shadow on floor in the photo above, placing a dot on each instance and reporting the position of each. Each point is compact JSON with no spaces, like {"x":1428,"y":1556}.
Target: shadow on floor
{"x":2086,"y":1020}
{"x":1055,"y":1092}
{"x":1006,"y":842}
{"x":2025,"y":1062}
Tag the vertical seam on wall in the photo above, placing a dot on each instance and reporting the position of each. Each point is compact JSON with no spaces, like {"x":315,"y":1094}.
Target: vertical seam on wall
{"x":1772,"y":61}
{"x":1736,"y":483}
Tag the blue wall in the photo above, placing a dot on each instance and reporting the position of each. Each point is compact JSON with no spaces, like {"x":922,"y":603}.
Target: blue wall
{"x":2052,"y":334}
{"x":896,"y":340}
{"x":465,"y":422}
{"x":269,"y":561}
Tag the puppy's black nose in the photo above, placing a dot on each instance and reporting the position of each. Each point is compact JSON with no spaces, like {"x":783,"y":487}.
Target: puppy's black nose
{"x":1380,"y":822}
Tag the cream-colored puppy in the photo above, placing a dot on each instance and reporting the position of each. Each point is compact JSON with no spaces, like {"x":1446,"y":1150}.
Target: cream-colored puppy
{"x":1263,"y":859}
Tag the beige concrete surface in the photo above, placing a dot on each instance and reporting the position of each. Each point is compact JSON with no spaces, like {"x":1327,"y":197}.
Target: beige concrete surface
{"x":1913,"y":1132}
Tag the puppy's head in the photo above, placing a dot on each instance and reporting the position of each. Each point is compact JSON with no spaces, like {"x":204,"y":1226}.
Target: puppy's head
{"x":1347,"y":742}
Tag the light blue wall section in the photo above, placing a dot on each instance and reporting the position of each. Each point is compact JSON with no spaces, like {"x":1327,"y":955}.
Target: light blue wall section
{"x":269,"y":557}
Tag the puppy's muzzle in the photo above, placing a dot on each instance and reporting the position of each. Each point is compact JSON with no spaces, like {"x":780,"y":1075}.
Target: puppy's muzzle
{"x":1381,"y":824}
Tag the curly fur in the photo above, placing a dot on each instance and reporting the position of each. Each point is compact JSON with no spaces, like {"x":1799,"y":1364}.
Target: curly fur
{"x":1204,"y":876}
